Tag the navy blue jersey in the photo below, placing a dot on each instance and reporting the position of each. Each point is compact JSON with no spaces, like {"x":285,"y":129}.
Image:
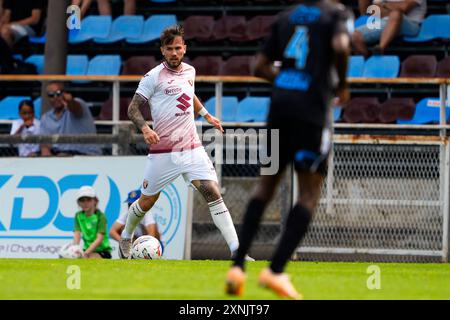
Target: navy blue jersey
{"x":302,"y":40}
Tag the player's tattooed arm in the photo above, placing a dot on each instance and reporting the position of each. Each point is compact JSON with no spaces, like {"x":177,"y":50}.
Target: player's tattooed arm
{"x":135,"y":115}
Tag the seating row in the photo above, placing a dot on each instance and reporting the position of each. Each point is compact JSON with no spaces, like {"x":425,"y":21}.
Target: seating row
{"x":434,"y":27}
{"x":111,"y":65}
{"x":255,"y":109}
{"x":393,"y":110}
{"x":388,"y":66}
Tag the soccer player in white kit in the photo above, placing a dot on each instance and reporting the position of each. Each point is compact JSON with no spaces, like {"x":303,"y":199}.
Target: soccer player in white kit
{"x":175,"y":148}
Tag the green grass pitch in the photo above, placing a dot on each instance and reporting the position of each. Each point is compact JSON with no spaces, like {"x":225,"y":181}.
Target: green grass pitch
{"x":204,"y":280}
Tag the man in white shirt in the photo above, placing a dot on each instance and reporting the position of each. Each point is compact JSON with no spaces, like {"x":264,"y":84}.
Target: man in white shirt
{"x":175,"y":148}
{"x":146,"y":227}
{"x":398,"y":18}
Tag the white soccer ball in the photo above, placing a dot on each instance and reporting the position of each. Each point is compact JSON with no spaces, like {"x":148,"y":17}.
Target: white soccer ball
{"x":71,"y":251}
{"x":146,"y":247}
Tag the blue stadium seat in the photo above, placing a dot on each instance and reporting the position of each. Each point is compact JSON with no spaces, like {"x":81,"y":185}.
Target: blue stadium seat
{"x":123,"y":27}
{"x":355,"y":66}
{"x":77,"y":65}
{"x":382,"y":67}
{"x":37,"y":107}
{"x":253,"y":109}
{"x":9,"y":107}
{"x":153,"y":27}
{"x":433,"y":27}
{"x":39,"y":40}
{"x":91,"y":27}
{"x":104,"y":65}
{"x":18,"y":56}
{"x":38,"y":61}
{"x":229,"y":107}
{"x":427,"y":111}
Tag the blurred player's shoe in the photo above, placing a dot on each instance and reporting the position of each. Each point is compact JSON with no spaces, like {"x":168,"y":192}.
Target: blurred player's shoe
{"x":279,"y":283}
{"x":124,"y":248}
{"x":235,"y":281}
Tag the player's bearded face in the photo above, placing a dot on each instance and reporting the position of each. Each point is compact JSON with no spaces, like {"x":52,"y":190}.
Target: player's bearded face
{"x":174,"y":52}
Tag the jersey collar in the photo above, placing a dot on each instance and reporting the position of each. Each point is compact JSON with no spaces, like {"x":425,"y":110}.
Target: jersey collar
{"x":170,"y":69}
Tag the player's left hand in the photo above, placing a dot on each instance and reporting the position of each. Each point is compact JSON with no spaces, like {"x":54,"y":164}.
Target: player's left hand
{"x":215,"y":122}
{"x":86,"y":255}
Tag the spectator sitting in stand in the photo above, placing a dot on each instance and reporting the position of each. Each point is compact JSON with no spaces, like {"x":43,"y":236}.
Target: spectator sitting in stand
{"x":68,"y":115}
{"x":20,"y":19}
{"x":398,"y":18}
{"x":104,"y":7}
{"x":26,"y":125}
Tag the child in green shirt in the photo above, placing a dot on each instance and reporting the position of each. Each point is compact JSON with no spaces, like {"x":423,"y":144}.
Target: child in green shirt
{"x":90,"y":223}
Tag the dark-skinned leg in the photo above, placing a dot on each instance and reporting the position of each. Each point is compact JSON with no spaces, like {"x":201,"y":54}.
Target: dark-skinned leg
{"x":262,"y":195}
{"x":296,"y":227}
{"x":309,"y":186}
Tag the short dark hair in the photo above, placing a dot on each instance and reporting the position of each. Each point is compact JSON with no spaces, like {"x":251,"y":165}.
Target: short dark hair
{"x":60,"y":83}
{"x":26,"y":103}
{"x":169,"y":34}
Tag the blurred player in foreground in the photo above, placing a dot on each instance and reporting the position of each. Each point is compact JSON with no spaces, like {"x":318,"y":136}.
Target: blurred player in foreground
{"x":175,"y":148}
{"x":146,"y":227}
{"x":310,"y":40}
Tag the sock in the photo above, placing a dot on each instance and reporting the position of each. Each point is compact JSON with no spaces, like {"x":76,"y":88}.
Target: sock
{"x":255,"y":210}
{"x":135,"y":215}
{"x":222,"y":219}
{"x":296,"y":226}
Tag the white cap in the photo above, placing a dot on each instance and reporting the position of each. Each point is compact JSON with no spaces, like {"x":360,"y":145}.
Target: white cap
{"x":86,"y":191}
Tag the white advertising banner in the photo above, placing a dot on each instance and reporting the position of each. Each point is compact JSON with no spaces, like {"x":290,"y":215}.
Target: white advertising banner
{"x":38,"y":202}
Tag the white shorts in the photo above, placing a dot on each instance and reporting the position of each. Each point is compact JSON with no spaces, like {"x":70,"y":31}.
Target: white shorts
{"x":163,"y":168}
{"x":19,"y":31}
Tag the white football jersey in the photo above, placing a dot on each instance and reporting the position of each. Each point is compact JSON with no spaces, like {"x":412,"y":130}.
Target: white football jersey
{"x":171,"y":97}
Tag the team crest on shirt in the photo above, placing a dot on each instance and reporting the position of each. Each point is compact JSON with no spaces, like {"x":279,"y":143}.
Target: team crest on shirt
{"x":145,"y":184}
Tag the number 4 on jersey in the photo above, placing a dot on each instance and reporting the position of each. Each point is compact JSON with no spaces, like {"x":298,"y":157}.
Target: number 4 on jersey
{"x":298,"y":47}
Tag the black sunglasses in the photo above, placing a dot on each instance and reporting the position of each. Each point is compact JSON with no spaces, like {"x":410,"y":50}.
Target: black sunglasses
{"x":52,"y":94}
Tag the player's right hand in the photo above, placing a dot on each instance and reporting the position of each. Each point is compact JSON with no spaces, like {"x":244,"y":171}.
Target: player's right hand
{"x":150,"y":136}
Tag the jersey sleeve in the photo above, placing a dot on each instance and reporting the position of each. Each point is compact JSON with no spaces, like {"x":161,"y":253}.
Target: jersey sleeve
{"x":15,"y":125}
{"x":147,"y":85}
{"x":149,"y":219}
{"x":102,"y":225}
{"x":77,"y":226}
{"x":122,"y":219}
{"x":271,"y":46}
